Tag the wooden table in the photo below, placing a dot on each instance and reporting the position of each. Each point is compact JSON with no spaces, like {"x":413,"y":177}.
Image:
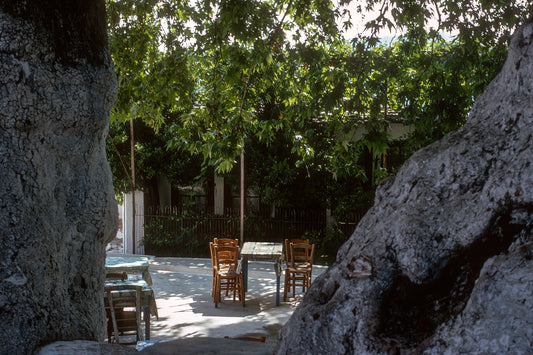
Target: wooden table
{"x":147,"y":300}
{"x":263,"y":251}
{"x":130,"y":265}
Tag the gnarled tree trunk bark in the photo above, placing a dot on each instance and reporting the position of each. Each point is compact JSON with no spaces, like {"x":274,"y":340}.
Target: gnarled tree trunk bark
{"x":57,"y":207}
{"x":442,"y":263}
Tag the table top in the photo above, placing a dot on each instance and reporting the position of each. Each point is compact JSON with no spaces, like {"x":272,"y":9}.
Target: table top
{"x":264,"y":251}
{"x":267,"y":251}
{"x":130,"y":265}
{"x":138,"y":262}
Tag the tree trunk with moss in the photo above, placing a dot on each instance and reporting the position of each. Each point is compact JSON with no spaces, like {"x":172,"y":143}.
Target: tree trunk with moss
{"x":57,"y":207}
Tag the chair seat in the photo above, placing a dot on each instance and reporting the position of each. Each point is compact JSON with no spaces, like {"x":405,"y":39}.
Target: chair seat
{"x":228,"y":271}
{"x":225,"y":268}
{"x":300,"y":267}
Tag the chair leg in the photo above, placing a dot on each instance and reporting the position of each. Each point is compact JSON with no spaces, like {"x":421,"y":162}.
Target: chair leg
{"x":285,"y":285}
{"x":235,"y":288}
{"x":138,"y":311}
{"x":293,"y":284}
{"x":109,"y":326}
{"x":217,"y":291}
{"x":213,"y":285}
{"x":114,"y":320}
{"x":242,"y":296}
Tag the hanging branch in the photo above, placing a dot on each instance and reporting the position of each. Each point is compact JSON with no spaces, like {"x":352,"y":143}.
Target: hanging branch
{"x":270,"y":43}
{"x":120,"y":158}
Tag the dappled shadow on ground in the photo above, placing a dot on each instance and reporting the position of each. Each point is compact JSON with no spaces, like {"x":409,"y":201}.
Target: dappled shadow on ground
{"x":186,"y":308}
{"x":191,"y":264}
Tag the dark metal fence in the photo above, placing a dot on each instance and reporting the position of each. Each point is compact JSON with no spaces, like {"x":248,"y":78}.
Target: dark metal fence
{"x":285,"y":223}
{"x":177,"y":231}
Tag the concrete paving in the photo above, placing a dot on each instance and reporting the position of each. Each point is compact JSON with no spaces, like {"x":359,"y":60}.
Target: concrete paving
{"x":188,"y":318}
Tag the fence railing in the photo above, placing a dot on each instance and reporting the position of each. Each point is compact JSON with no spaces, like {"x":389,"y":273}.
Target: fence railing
{"x":178,"y":231}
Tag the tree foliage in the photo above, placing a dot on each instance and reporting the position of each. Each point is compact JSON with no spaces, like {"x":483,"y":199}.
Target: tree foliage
{"x":278,"y":79}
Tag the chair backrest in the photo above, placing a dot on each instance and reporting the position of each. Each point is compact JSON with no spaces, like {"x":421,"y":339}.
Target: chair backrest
{"x":226,"y":256}
{"x":302,"y":253}
{"x":116,"y":276}
{"x":226,"y":241}
{"x":126,"y":296}
{"x":288,"y":243}
{"x":119,"y":297}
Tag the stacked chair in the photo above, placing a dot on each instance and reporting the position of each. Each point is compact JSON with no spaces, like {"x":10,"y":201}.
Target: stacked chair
{"x":124,"y":322}
{"x":223,"y":242}
{"x":299,"y":254}
{"x":227,"y":275}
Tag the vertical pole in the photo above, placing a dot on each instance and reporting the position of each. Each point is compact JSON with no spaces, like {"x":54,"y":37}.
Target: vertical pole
{"x":384,"y":157}
{"x":133,"y":185}
{"x":242,"y":195}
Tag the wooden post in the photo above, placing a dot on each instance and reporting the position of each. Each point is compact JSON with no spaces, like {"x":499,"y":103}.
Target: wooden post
{"x":242,"y":195}
{"x":132,"y":185}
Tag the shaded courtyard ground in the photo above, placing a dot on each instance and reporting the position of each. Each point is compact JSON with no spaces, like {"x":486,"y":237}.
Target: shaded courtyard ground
{"x":188,"y":320}
{"x":186,"y":310}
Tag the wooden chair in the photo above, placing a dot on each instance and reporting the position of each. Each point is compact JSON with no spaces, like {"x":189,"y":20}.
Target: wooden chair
{"x":223,"y":242}
{"x":228,"y":277}
{"x":123,"y":322}
{"x":214,"y":268}
{"x":299,"y":271}
{"x":288,"y":260}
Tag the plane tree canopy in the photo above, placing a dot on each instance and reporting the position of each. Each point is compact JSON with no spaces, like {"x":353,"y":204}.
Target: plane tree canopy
{"x":283,"y":80}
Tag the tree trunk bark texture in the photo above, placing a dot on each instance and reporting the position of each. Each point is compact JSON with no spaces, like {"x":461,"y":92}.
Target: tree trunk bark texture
{"x":443,"y":261}
{"x":57,"y":206}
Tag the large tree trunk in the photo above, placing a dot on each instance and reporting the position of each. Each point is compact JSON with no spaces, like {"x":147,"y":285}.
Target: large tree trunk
{"x":57,"y":207}
{"x":443,"y":261}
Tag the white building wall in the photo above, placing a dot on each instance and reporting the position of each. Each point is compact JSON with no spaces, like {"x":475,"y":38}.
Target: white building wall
{"x":129,"y":223}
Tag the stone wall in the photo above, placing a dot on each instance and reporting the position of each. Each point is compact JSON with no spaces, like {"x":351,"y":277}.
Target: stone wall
{"x":57,"y":208}
{"x":442,"y":262}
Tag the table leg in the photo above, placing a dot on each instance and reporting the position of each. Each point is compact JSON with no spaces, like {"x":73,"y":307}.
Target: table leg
{"x":277,"y":289}
{"x":147,"y":322}
{"x":277,"y":269}
{"x":245,"y":274}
